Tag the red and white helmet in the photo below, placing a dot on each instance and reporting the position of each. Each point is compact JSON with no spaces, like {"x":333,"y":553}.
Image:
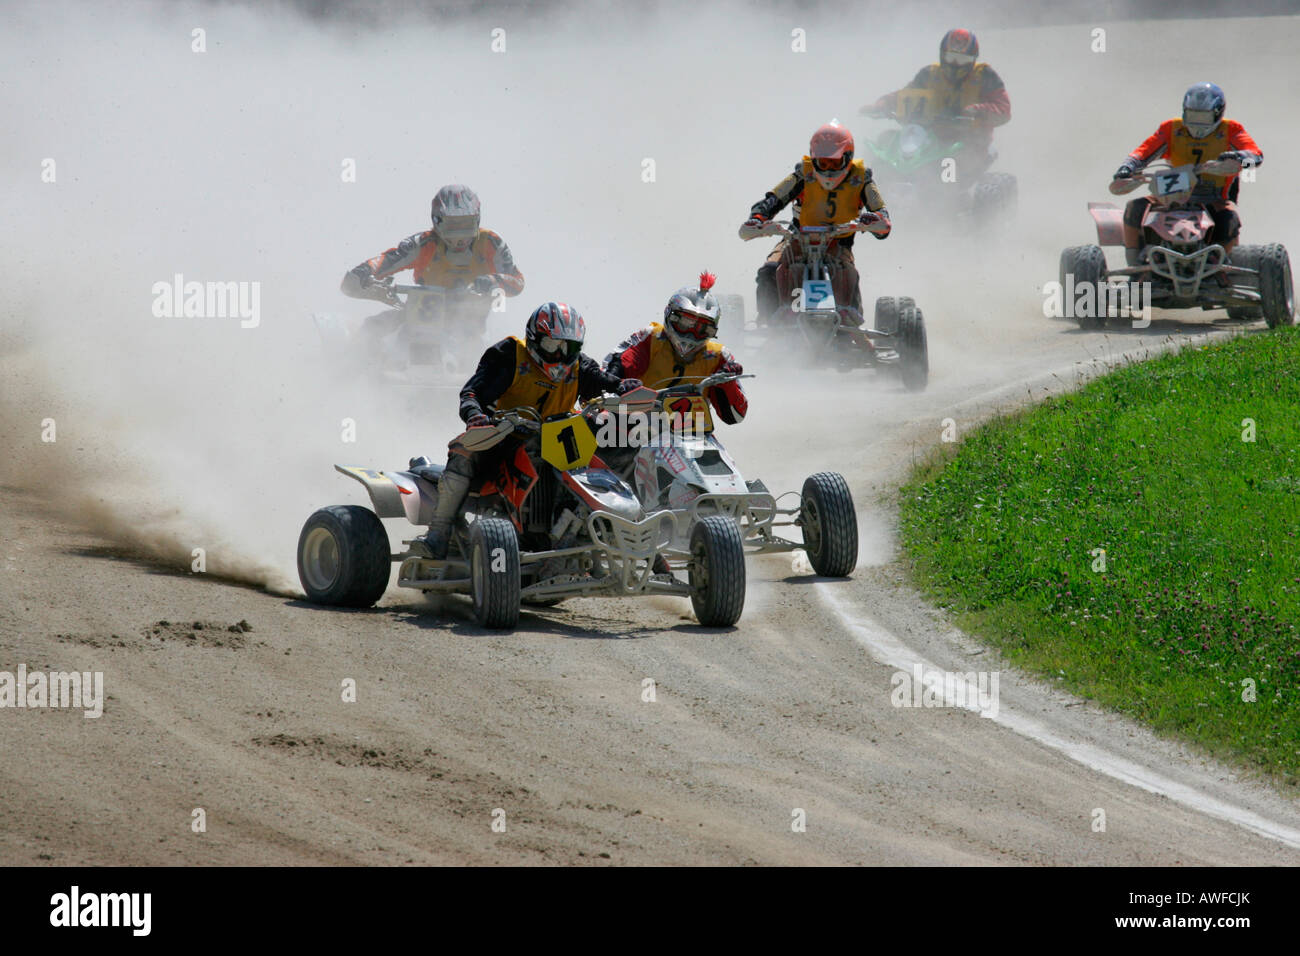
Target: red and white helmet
{"x":554,"y":336}
{"x":455,"y":213}
{"x":691,"y":317}
{"x":958,"y":51}
{"x":831,"y":151}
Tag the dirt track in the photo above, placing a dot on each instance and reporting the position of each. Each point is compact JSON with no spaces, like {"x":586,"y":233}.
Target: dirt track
{"x":791,"y":710}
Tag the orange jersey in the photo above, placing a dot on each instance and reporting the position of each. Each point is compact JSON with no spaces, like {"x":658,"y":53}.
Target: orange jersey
{"x":426,"y":255}
{"x":1174,"y":142}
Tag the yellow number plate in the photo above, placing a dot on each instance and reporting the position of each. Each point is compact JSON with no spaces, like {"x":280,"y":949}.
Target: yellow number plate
{"x":568,"y":443}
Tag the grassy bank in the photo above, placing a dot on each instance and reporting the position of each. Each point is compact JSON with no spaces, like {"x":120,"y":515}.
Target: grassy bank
{"x":1185,"y":471}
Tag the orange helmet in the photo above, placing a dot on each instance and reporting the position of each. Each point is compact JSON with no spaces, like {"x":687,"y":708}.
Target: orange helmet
{"x":831,"y":151}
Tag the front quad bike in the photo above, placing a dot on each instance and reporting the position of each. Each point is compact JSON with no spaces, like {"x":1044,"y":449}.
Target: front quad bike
{"x":915,"y":166}
{"x":437,"y":338}
{"x":1185,"y":267}
{"x":679,"y":465}
{"x":550,"y":521}
{"x":817,"y":330}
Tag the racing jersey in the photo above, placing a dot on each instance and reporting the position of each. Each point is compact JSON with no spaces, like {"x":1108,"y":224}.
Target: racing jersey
{"x":1173,"y":141}
{"x":818,"y":206}
{"x":648,"y":355}
{"x":981,"y":90}
{"x":507,"y":377}
{"x":426,"y":254}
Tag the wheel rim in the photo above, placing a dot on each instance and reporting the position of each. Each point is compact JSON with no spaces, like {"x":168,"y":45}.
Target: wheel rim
{"x":320,"y":559}
{"x":812,"y":527}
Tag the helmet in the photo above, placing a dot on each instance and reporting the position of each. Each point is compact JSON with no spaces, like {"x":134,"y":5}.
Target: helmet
{"x":455,"y":213}
{"x":831,"y":151}
{"x":691,"y":317}
{"x":958,"y":51}
{"x":554,"y":336}
{"x":1203,"y":106}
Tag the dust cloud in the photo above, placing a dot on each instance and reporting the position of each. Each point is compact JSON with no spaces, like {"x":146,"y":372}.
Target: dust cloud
{"x":616,"y":154}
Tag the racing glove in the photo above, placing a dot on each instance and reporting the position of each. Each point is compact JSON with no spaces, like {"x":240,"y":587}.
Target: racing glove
{"x":628,"y":385}
{"x":483,"y":285}
{"x":730,"y":367}
{"x":1126,"y":170}
{"x":1238,"y":156}
{"x":477,"y":421}
{"x":876,"y":223}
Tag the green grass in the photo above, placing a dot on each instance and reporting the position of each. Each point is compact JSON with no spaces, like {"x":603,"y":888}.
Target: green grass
{"x":1201,"y":531}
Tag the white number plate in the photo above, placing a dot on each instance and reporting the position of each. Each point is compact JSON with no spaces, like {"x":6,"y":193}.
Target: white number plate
{"x":1174,"y":181}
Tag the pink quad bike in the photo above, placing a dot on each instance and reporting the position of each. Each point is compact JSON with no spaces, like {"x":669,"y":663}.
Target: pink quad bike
{"x":1185,"y":267}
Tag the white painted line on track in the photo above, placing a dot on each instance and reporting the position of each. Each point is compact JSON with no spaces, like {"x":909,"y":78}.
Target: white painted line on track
{"x":888,"y":650}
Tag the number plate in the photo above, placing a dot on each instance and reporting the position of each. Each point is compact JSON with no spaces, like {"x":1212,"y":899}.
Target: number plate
{"x":817,"y":294}
{"x":690,"y":413}
{"x":568,"y":443}
{"x":1174,"y":181}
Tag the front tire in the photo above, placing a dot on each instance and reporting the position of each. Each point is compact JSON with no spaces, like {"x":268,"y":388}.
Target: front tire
{"x":717,"y":572}
{"x":494,"y":573}
{"x":888,"y":309}
{"x":913,"y":351}
{"x":343,"y":557}
{"x":830,"y":525}
{"x":1276,"y":291}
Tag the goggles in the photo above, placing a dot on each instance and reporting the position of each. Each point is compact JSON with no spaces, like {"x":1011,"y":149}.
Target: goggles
{"x":693,"y":326}
{"x":1199,"y":119}
{"x":830,"y":164}
{"x":559,"y":350}
{"x":958,"y":59}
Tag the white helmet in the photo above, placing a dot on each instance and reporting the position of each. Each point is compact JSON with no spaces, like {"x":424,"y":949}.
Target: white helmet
{"x":691,"y":317}
{"x":455,"y":213}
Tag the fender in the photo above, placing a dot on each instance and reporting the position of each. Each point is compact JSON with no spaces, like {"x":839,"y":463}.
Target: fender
{"x":1110,"y":223}
{"x":385,"y":497}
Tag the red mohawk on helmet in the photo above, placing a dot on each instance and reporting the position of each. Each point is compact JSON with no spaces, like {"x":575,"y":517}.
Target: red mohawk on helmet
{"x":706,"y":281}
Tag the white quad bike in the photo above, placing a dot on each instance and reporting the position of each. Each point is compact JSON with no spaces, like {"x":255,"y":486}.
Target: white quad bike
{"x":682,"y":467}
{"x":815,"y":329}
{"x":548,"y":521}
{"x":436,"y":345}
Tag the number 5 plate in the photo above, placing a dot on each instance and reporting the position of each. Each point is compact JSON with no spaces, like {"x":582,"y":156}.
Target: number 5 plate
{"x":568,"y":443}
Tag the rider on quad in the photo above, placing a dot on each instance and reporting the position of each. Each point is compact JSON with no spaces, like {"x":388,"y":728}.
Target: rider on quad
{"x":1200,"y":136}
{"x":455,"y":253}
{"x":829,"y":188}
{"x":961,"y":89}
{"x":546,"y":371}
{"x":683,"y":347}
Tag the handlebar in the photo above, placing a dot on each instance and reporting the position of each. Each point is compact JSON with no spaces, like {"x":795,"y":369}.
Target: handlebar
{"x":1212,"y":167}
{"x":774,"y":228}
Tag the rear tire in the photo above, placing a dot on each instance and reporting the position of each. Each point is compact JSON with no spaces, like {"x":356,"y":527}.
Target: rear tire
{"x":1276,"y":291}
{"x":1088,"y":264}
{"x":494,"y":573}
{"x":830,"y":525}
{"x":343,"y":557}
{"x":913,"y":351}
{"x":717,"y":571}
{"x":888,"y":309}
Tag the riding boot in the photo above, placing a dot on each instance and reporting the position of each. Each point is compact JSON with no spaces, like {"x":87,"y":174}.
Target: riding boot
{"x":453,"y":486}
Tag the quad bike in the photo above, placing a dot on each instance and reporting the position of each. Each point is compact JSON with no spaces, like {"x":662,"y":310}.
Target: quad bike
{"x":550,"y":521}
{"x":1186,"y":269}
{"x":817,"y":330}
{"x":909,"y":164}
{"x":436,"y":343}
{"x":684,"y":468}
